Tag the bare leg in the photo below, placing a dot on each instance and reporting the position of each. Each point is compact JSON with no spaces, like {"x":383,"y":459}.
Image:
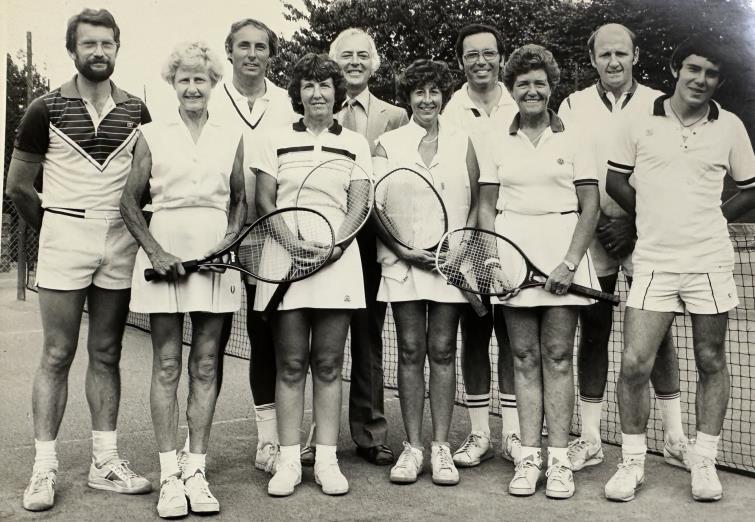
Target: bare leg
{"x":167,"y":334}
{"x":714,"y":383}
{"x":291,"y":336}
{"x":443,"y":323}
{"x":411,"y":331}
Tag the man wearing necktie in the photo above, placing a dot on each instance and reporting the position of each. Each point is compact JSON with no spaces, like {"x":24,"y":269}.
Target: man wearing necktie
{"x":354,"y":50}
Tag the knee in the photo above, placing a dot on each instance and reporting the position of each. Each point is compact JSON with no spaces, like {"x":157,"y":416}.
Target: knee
{"x":635,"y":367}
{"x":203,"y":369}
{"x":57,"y":357}
{"x":557,"y":356}
{"x":442,"y":353}
{"x":105,"y":355}
{"x":710,"y":360}
{"x":412,"y":353}
{"x":167,"y":370}
{"x":327,"y":369}
{"x":526,"y":358}
{"x":292,"y":370}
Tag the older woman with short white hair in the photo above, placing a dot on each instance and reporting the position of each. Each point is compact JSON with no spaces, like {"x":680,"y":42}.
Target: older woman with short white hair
{"x":192,"y":165}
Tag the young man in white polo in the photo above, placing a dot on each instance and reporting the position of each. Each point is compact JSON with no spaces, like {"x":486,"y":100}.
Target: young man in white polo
{"x":82,"y":136}
{"x":667,"y":169}
{"x":597,"y":111}
{"x":484,"y":107}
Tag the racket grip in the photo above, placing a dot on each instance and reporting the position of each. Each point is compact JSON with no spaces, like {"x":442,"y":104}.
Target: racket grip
{"x":150,"y":274}
{"x":476,"y":303}
{"x":585,"y":291}
{"x":275,"y":300}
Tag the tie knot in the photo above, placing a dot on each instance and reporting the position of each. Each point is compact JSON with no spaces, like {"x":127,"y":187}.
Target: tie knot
{"x":352,"y":103}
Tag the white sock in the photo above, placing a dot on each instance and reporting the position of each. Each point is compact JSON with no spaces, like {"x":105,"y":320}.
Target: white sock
{"x":509,"y":414}
{"x":194,"y":462}
{"x":590,"y":409}
{"x":671,"y":416}
{"x":706,"y":445}
{"x":478,"y":407}
{"x":290,"y":453}
{"x":45,"y":455}
{"x":267,"y":423}
{"x":534,"y":452}
{"x":633,"y":446}
{"x":187,"y":445}
{"x":325,"y":454}
{"x":168,"y":465}
{"x":104,"y":446}
{"x":558,"y":455}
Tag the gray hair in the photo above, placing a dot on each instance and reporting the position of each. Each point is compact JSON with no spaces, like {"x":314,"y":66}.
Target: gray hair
{"x":193,"y":55}
{"x":351,"y":31}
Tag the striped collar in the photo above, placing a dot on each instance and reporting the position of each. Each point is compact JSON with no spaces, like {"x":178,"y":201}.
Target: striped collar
{"x":603,"y":93}
{"x":659,"y":110}
{"x":70,"y":91}
{"x":556,"y":125}
{"x":335,"y":128}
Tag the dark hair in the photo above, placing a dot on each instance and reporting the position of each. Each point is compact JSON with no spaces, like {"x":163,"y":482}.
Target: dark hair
{"x":318,"y":67}
{"x":594,"y":35}
{"x":531,"y":57}
{"x":272,"y":38}
{"x":101,"y":17}
{"x":471,"y":29}
{"x":422,"y":72}
{"x":707,"y":46}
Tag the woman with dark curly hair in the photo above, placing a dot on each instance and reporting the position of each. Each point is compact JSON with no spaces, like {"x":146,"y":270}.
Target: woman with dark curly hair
{"x":311,"y":323}
{"x":426,"y":310}
{"x":542,"y":194}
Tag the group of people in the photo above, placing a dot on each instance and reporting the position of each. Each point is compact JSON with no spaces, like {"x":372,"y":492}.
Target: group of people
{"x":623,"y":177}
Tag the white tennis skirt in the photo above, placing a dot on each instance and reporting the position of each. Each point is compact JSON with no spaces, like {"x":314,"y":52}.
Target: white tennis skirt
{"x":187,"y":233}
{"x":415,"y":284}
{"x":545,"y":240}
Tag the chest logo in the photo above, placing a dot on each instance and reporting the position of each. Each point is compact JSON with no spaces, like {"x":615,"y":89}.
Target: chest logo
{"x":560,"y":161}
{"x":649,"y":132}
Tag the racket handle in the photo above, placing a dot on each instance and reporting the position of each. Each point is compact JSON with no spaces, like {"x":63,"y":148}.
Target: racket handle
{"x":150,"y":274}
{"x":275,"y":300}
{"x":476,"y":303}
{"x":585,"y":291}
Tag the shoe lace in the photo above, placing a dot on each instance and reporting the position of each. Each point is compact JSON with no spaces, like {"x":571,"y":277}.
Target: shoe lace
{"x":471,"y":441}
{"x":705,"y":466}
{"x":406,"y":457}
{"x":558,"y":472}
{"x":523,"y":467}
{"x":626,"y":470}
{"x":120,"y":468}
{"x":201,"y":484}
{"x":271,"y":459}
{"x":39,"y":481}
{"x":444,"y":457}
{"x":576,"y":446}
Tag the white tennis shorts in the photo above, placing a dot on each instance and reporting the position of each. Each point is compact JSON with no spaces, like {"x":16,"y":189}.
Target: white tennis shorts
{"x":706,"y":293}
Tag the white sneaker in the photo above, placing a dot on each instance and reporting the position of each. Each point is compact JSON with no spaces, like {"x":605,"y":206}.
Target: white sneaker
{"x":526,"y":476}
{"x":444,"y":471}
{"x":408,"y":466}
{"x":172,"y":502}
{"x":39,"y":495}
{"x":705,"y":483}
{"x":474,"y":450}
{"x":201,"y":499}
{"x":267,"y":457}
{"x":286,"y":478}
{"x":560,"y":481}
{"x":115,"y":475}
{"x":626,"y":481}
{"x":675,"y":453}
{"x":583,"y":453}
{"x":511,"y":447}
{"x":329,"y":477}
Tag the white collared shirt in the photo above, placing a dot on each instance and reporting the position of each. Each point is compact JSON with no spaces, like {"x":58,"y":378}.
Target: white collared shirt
{"x":361,"y":110}
{"x":187,"y":174}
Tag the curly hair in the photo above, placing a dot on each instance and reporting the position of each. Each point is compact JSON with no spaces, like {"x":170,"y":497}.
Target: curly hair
{"x":531,"y":57}
{"x":101,"y":17}
{"x":423,"y":72}
{"x":318,"y":67}
{"x":193,"y":55}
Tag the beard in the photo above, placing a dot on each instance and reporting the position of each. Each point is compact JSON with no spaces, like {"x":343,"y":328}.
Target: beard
{"x":85,"y":69}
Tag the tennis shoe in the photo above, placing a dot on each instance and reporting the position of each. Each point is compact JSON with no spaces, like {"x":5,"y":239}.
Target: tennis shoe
{"x":287,"y":477}
{"x":705,"y":484}
{"x":583,"y":453}
{"x":267,"y":457}
{"x":201,"y":499}
{"x":626,"y":481}
{"x":329,"y":477}
{"x":444,"y":470}
{"x":115,"y":475}
{"x":675,"y":453}
{"x":511,"y":447}
{"x":560,"y":482}
{"x":172,"y":502}
{"x":526,"y":476}
{"x":474,"y":450}
{"x":39,"y":495}
{"x":408,"y":466}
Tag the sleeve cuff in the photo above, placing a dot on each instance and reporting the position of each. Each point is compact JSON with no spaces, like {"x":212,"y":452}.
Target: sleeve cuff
{"x":620,"y":168}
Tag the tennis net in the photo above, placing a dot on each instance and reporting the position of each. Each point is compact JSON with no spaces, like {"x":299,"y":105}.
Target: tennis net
{"x":737,"y":449}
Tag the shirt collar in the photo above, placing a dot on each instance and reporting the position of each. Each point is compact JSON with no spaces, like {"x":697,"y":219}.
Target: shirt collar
{"x":659,"y":110}
{"x":603,"y":93}
{"x":363,"y":98}
{"x":557,"y":125}
{"x":240,"y":98}
{"x":70,"y":91}
{"x":503,"y":101}
{"x":175,"y":118}
{"x":335,"y":128}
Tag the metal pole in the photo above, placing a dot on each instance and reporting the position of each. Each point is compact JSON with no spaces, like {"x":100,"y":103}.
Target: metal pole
{"x":22,"y":265}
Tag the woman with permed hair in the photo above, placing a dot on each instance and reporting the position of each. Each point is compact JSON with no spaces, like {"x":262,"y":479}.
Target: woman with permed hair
{"x":543,"y":195}
{"x":312,"y":321}
{"x":192,"y":166}
{"x":425,"y":309}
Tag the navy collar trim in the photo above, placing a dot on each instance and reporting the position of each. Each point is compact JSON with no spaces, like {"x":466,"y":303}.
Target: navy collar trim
{"x":659,"y":110}
{"x":335,"y":128}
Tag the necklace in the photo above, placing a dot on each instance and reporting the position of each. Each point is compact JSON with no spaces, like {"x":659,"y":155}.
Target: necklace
{"x":679,"y":119}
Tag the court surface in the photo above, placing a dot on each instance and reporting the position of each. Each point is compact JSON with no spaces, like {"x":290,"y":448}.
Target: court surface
{"x":241,"y":489}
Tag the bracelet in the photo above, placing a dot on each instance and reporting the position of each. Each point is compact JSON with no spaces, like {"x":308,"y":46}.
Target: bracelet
{"x":492,"y":261}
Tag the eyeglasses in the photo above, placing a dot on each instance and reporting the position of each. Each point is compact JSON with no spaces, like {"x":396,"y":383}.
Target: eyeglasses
{"x":489,"y":55}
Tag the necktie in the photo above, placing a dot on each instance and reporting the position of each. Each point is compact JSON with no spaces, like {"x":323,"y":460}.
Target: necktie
{"x":350,"y":117}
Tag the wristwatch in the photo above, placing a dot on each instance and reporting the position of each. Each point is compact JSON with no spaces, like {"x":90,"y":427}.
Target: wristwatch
{"x":571,"y":267}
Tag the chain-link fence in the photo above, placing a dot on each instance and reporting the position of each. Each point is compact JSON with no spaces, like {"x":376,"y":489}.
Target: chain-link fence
{"x":13,"y":244}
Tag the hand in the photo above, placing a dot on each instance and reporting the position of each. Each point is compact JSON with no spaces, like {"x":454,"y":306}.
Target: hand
{"x":229,"y":238}
{"x":559,"y":280}
{"x":308,"y":253}
{"x":336,"y":255}
{"x":167,"y":266}
{"x":500,"y":284}
{"x":419,"y":258}
{"x":617,"y":235}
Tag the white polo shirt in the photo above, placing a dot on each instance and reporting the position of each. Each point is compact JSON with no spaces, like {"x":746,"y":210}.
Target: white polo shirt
{"x":678,"y":175}
{"x":540,"y":179}
{"x":596,"y":114}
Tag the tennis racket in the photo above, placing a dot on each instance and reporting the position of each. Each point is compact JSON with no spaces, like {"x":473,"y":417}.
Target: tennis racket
{"x":288,"y":244}
{"x":488,"y":263}
{"x":323,"y":188}
{"x":412,"y":212}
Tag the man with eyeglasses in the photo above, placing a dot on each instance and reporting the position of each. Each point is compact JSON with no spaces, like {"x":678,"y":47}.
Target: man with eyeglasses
{"x":485,"y":108}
